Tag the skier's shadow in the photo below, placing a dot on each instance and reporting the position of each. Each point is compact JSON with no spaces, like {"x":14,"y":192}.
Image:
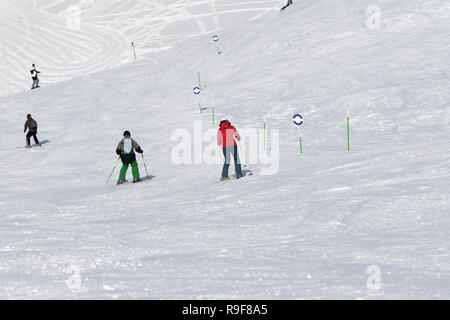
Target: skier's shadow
{"x":245,"y":172}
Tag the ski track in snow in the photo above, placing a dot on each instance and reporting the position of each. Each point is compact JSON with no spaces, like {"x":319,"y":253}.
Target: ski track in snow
{"x":310,"y":231}
{"x":65,"y":42}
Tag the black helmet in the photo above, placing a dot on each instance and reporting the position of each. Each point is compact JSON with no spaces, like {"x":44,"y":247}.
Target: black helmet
{"x":126,"y":133}
{"x":28,"y":116}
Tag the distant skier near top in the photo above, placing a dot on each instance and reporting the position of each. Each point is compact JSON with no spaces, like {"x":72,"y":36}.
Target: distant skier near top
{"x":125,"y":149}
{"x":287,"y":5}
{"x":225,"y":138}
{"x":34,"y":76}
{"x":31,"y":125}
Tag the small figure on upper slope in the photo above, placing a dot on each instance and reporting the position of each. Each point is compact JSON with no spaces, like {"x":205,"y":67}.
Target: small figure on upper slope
{"x":31,"y":125}
{"x":34,"y":76}
{"x":287,"y":5}
{"x":225,"y":138}
{"x":125,"y":149}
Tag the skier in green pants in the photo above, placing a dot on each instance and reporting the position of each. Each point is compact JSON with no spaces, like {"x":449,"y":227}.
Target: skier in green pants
{"x":125,"y":149}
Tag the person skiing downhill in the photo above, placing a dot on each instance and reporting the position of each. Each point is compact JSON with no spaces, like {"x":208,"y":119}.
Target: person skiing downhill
{"x":31,"y":125}
{"x":125,"y":149}
{"x":226,"y":138}
{"x":34,"y":76}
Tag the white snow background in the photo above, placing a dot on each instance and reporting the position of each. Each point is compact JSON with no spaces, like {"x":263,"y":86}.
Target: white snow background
{"x":321,"y":228}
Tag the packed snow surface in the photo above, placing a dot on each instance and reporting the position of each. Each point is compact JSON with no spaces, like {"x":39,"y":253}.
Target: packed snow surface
{"x":366,"y":224}
{"x":70,"y":38}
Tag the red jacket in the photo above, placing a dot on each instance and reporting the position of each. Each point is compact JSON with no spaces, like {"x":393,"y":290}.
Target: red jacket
{"x":226,"y":135}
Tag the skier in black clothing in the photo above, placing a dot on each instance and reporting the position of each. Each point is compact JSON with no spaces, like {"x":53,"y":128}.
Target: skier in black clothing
{"x":287,"y":5}
{"x":34,"y":76}
{"x":31,"y":125}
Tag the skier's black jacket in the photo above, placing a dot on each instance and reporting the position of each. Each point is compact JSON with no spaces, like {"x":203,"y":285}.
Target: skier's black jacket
{"x":35,"y":74}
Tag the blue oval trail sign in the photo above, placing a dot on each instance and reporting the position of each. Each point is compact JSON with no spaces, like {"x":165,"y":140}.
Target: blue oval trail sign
{"x":298,"y":119}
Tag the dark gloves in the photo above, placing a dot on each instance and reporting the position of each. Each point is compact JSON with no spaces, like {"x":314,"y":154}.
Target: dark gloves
{"x":118,"y":151}
{"x":139,"y":150}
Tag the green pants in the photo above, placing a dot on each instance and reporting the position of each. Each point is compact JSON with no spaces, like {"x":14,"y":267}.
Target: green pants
{"x":134,"y":170}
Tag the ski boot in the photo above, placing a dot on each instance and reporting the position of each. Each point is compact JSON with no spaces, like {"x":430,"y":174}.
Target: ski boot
{"x":224,"y":178}
{"x":27,"y":146}
{"x":120,"y":182}
{"x":38,"y":145}
{"x":238,"y":176}
{"x":137,"y":180}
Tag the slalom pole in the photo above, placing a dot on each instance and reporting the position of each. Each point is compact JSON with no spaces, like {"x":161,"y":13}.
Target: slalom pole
{"x":215,"y":39}
{"x":264,"y":134}
{"x":300,"y":141}
{"x":348,"y":129}
{"x":145,"y":166}
{"x":200,"y":107}
{"x":213,"y":116}
{"x":113,"y":169}
{"x":199,"y":82}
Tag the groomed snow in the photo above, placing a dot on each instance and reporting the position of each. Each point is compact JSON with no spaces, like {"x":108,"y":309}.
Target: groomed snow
{"x":313,"y":230}
{"x":72,"y":38}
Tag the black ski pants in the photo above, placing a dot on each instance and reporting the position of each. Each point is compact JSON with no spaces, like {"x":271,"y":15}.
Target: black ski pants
{"x":35,"y":83}
{"x":32,"y":134}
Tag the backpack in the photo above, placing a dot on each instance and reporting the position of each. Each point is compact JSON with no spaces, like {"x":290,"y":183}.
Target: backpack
{"x":127,"y":146}
{"x":33,"y":124}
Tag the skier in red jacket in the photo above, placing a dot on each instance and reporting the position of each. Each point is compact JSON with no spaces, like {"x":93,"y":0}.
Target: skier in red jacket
{"x":225,"y":138}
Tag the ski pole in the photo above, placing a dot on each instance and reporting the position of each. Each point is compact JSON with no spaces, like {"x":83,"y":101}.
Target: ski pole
{"x":348,"y":129}
{"x":241,"y":152}
{"x":145,"y":166}
{"x":113,"y":170}
{"x":219,"y":155}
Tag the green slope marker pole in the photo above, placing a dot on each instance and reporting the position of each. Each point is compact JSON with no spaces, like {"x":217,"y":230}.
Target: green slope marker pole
{"x":213,"y":116}
{"x":264,"y":134}
{"x":200,"y":107}
{"x":218,"y":50}
{"x":134,"y":50}
{"x":348,"y":129}
{"x":300,"y":141}
{"x":199,"y":83}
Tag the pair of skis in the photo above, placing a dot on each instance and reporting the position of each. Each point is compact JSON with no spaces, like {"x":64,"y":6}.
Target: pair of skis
{"x":148,"y":177}
{"x":245,"y":173}
{"x":34,"y":145}
{"x":140,"y":180}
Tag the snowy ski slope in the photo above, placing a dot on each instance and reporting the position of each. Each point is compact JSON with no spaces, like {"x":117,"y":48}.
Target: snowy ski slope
{"x":324,"y":226}
{"x":70,"y":38}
